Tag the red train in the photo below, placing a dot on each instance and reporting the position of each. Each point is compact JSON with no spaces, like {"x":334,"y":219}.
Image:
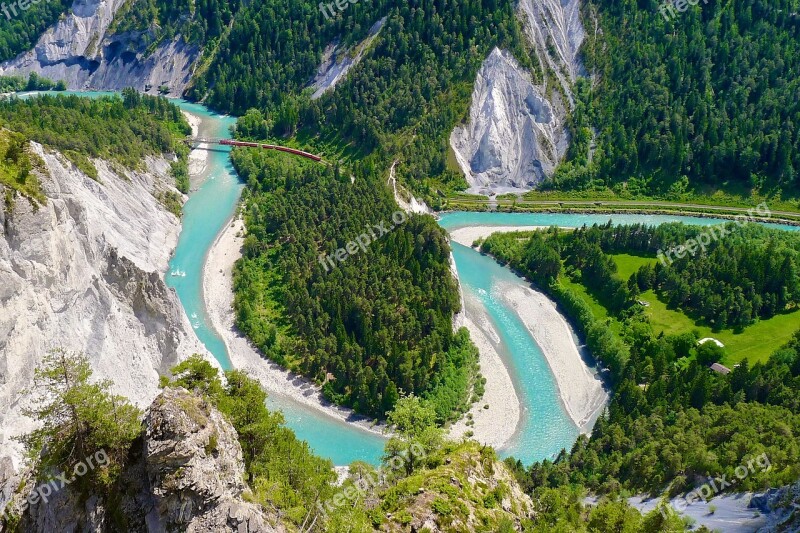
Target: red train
{"x":301,"y":153}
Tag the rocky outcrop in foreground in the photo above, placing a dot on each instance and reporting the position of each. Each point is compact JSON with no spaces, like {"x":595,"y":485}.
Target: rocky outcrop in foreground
{"x":185,"y":473}
{"x":194,"y":467}
{"x":471,"y":491}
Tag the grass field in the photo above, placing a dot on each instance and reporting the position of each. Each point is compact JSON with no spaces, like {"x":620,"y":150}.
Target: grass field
{"x":627,"y":264}
{"x":598,"y":310}
{"x":755,"y":343}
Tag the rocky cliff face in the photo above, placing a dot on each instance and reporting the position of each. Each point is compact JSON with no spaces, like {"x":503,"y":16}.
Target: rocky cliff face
{"x":554,"y":28}
{"x":515,"y":137}
{"x":83,"y":272}
{"x":81,"y":50}
{"x":186,"y":473}
{"x":516,"y":133}
{"x":195,"y":470}
{"x":337,"y":61}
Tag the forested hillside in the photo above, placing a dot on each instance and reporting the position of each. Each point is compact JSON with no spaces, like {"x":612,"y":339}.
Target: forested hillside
{"x":368,"y":321}
{"x":20,"y":28}
{"x":703,"y":99}
{"x":710,"y":94}
{"x":201,"y":23}
{"x":121,"y":130}
{"x":405,"y":96}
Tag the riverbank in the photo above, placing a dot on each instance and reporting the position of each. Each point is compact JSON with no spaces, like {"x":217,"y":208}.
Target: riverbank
{"x":218,"y":289}
{"x":581,"y":391}
{"x":470,"y":234}
{"x":498,"y":423}
{"x":605,"y":207}
{"x":198,"y":159}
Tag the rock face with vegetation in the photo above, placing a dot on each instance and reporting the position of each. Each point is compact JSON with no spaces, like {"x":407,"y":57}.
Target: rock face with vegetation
{"x":556,"y":32}
{"x":82,"y":268}
{"x":195,"y":471}
{"x":468,"y":492}
{"x":215,"y":459}
{"x":83,"y":49}
{"x":517,"y":131}
{"x":185,"y":473}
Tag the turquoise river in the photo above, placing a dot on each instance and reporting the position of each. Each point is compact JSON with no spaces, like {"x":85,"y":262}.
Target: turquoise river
{"x":545,"y":428}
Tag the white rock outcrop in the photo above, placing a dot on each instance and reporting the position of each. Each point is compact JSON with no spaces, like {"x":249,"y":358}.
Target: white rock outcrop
{"x":337,"y":62}
{"x":81,"y":50}
{"x":516,"y":134}
{"x":514,"y":138}
{"x":556,"y":23}
{"x":411,"y":204}
{"x":84,"y":272}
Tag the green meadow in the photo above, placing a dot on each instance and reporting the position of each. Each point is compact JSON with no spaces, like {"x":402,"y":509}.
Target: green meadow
{"x":755,"y":343}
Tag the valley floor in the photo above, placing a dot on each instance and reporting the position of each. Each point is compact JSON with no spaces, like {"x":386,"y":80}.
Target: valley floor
{"x":494,"y":426}
{"x":582,"y":392}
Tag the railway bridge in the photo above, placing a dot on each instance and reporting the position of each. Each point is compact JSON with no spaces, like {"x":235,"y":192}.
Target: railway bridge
{"x":231,"y":142}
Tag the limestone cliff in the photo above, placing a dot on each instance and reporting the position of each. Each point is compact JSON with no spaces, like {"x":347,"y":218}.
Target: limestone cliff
{"x":84,"y":272}
{"x":515,"y":137}
{"x":82,"y":50}
{"x":516,"y":133}
{"x":555,"y":30}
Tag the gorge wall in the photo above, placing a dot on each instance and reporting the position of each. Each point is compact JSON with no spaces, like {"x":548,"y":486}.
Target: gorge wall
{"x":84,"y":272}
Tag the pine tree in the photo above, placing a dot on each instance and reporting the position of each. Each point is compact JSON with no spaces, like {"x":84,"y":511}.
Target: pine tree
{"x":78,"y":417}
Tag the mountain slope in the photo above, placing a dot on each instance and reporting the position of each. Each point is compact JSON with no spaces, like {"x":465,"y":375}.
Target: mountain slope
{"x":710,"y":94}
{"x":84,"y":50}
